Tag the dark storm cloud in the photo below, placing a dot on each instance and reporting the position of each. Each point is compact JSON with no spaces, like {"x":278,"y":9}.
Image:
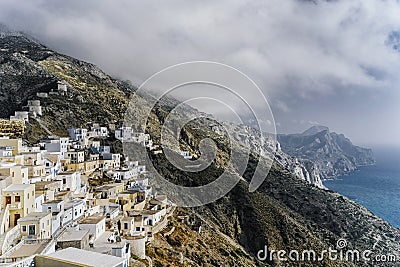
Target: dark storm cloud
{"x":328,"y":62}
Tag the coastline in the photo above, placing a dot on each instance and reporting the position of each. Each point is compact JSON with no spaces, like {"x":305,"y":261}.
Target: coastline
{"x":373,"y":187}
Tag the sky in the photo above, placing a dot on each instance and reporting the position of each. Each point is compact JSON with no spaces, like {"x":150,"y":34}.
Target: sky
{"x":330,"y":63}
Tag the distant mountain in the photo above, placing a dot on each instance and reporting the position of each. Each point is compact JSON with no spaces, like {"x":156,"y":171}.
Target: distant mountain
{"x":333,"y":153}
{"x":315,"y":129}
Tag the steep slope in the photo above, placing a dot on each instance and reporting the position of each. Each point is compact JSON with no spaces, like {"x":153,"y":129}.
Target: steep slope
{"x":252,"y":138}
{"x":332,"y":153}
{"x":285,"y":213}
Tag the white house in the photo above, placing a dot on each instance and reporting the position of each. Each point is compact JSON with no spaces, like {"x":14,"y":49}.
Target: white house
{"x":56,"y":207}
{"x":34,"y":108}
{"x":152,"y":216}
{"x":6,"y":151}
{"x":62,"y":87}
{"x":36,"y":225}
{"x":124,"y":134}
{"x":92,"y":210}
{"x":78,"y":208}
{"x":97,"y":131}
{"x":143,"y":139}
{"x":96,"y":225}
{"x":186,"y":155}
{"x":116,"y":159}
{"x":67,"y":218}
{"x":52,"y":164}
{"x":56,"y":144}
{"x":20,"y":116}
{"x":133,"y":226}
{"x":124,"y":174}
{"x":79,"y":257}
{"x":140,"y":182}
{"x":78,"y":134}
{"x":76,"y":156}
{"x":71,"y":181}
{"x":42,"y":94}
{"x":39,"y":200}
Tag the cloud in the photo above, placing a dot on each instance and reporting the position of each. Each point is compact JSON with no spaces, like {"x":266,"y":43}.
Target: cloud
{"x":282,"y":106}
{"x":293,"y":43}
{"x":297,"y":51}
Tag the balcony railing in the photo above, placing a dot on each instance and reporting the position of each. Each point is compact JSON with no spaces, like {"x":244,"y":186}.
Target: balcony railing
{"x":15,"y":206}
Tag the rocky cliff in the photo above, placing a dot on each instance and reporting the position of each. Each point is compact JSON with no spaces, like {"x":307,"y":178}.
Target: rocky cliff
{"x":332,"y":153}
{"x":251,"y":138}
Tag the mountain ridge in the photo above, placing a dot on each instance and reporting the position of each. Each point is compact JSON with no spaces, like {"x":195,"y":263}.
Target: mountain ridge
{"x":333,"y":153}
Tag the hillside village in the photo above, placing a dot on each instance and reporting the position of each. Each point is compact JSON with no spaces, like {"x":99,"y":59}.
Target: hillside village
{"x":67,"y":194}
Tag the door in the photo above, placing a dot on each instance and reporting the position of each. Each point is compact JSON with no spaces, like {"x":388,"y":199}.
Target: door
{"x":16,"y":217}
{"x":31,"y":230}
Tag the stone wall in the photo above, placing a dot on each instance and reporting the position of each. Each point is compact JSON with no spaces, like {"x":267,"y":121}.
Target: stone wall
{"x":138,"y":246}
{"x":10,"y":238}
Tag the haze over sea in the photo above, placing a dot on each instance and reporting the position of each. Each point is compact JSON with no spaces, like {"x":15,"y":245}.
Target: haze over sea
{"x":375,"y":187}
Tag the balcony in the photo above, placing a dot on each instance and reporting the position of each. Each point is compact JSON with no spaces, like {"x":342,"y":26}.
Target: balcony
{"x":15,"y":206}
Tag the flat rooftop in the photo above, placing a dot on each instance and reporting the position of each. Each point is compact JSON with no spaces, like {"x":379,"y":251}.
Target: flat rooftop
{"x":104,"y":187}
{"x":86,"y":257}
{"x":27,"y":250}
{"x":62,"y":193}
{"x":92,"y":220}
{"x":72,"y":235}
{"x":127,"y":219}
{"x":34,"y":216}
{"x":147,"y":212}
{"x":55,"y":201}
{"x":18,"y":187}
{"x":101,"y":244}
{"x":42,"y":183}
{"x":73,"y":202}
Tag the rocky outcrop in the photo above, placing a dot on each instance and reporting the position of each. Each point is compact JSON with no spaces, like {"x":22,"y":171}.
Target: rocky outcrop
{"x":268,"y":146}
{"x":332,"y":153}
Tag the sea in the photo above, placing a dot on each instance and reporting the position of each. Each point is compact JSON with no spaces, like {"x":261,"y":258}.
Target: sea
{"x":375,"y":187}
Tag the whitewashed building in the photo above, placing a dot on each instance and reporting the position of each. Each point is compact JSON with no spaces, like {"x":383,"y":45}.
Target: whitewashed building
{"x":78,"y":134}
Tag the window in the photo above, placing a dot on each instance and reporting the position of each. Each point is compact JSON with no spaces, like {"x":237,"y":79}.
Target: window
{"x":17,"y":198}
{"x":23,"y":228}
{"x":32,"y":230}
{"x":125,"y":225}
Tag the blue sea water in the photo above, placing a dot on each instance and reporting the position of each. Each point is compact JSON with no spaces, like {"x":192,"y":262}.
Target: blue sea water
{"x":375,"y":187}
